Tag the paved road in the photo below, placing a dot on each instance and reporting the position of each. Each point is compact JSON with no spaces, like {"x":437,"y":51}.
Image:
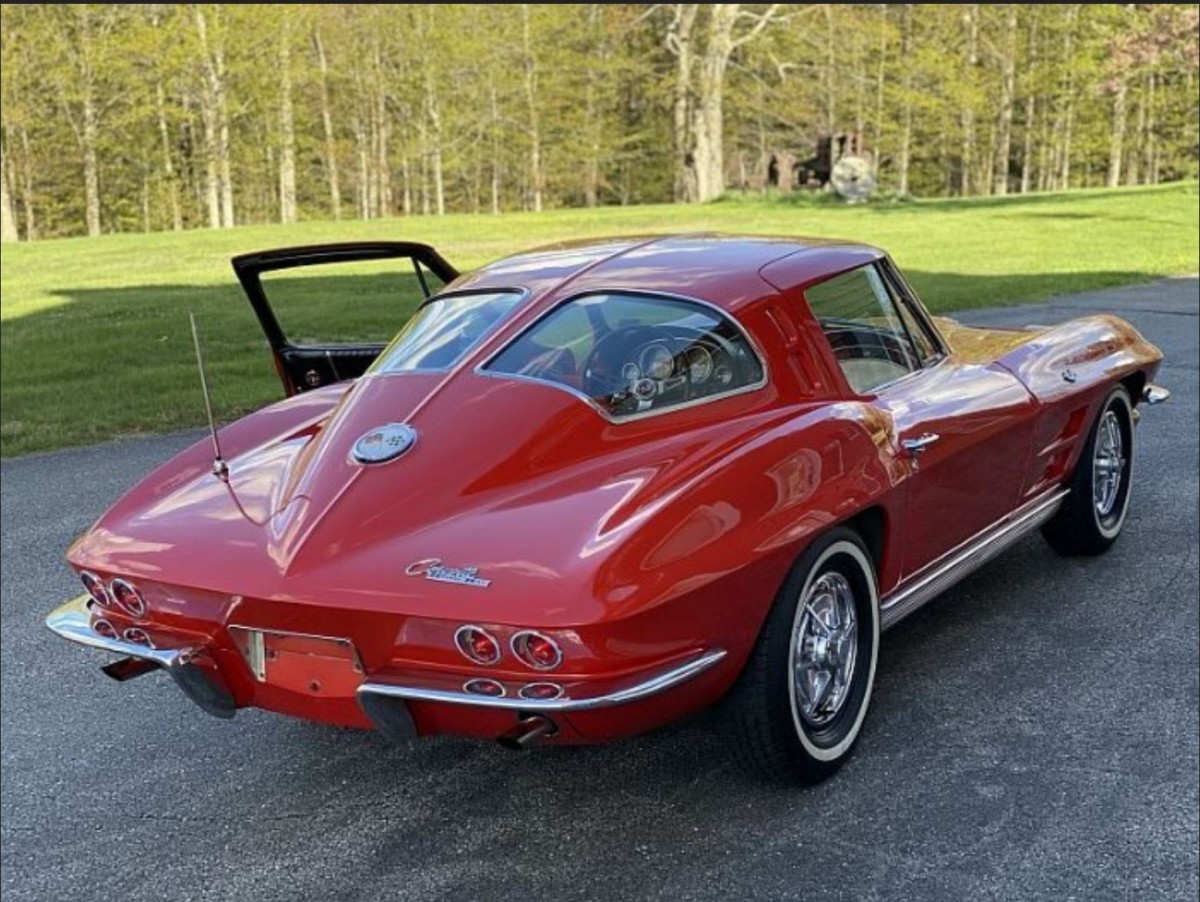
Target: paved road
{"x":1034,"y":735}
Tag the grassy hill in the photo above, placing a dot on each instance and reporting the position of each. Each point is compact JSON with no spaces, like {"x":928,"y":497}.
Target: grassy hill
{"x":94,"y":341}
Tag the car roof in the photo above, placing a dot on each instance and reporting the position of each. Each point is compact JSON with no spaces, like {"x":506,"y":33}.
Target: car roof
{"x":726,"y":270}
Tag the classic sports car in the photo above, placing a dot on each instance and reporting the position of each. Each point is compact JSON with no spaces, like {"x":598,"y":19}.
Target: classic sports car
{"x":592,"y":488}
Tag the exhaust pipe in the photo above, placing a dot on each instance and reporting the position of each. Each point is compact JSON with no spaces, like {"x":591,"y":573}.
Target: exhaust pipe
{"x":528,"y":729}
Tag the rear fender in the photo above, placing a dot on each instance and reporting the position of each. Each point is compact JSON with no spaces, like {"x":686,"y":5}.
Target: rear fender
{"x":1070,"y":369}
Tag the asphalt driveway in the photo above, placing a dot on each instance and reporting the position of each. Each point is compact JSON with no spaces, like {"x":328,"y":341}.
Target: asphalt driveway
{"x":1033,"y":736}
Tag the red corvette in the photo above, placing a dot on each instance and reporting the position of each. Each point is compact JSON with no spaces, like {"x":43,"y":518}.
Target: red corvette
{"x":590,"y":489}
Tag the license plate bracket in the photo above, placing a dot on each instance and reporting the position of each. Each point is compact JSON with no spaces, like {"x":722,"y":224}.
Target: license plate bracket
{"x":324,"y":666}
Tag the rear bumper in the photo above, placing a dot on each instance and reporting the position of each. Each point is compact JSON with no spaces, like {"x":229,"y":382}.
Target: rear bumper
{"x":408,"y":703}
{"x":196,"y":676}
{"x":642,"y":688}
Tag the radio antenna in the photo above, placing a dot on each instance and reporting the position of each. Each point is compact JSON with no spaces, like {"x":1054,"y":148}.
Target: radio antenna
{"x":220,"y":468}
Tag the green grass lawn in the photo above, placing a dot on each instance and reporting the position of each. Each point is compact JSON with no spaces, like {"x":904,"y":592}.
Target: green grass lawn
{"x":95,"y":340}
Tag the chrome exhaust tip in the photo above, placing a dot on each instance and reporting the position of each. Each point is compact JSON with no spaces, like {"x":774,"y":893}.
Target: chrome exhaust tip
{"x":528,"y":729}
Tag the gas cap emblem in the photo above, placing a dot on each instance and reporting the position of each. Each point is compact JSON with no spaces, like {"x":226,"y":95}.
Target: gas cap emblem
{"x":384,"y":443}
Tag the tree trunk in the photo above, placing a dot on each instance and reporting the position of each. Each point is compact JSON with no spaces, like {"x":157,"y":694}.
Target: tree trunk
{"x":91,"y":165}
{"x":406,"y":198}
{"x":287,"y":129}
{"x":215,"y":116}
{"x":1133,"y":150}
{"x":8,"y":214}
{"x":679,"y":42}
{"x":970,"y":20}
{"x":1116,"y":138}
{"x":1149,"y":144}
{"x":331,"y":163}
{"x":433,"y":114}
{"x":1008,"y":77}
{"x":168,"y":161}
{"x":906,"y":116}
{"x":1068,"y":117}
{"x":495,"y":149}
{"x":592,"y":119}
{"x":27,"y":192}
{"x":362,"y":185}
{"x":224,"y":162}
{"x":383,"y":135}
{"x":880,"y":85}
{"x":833,"y":42}
{"x":536,"y":176}
{"x":709,"y":116}
{"x":1031,"y":108}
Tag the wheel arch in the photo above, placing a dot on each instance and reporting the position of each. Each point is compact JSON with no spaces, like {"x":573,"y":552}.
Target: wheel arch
{"x":871,"y":525}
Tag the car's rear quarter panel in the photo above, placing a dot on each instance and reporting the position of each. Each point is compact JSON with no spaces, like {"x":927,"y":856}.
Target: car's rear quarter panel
{"x":1070,"y":369}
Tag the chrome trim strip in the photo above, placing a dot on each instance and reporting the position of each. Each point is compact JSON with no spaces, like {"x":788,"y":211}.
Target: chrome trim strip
{"x":656,"y":684}
{"x":929,"y":582}
{"x":1155,"y":394}
{"x":72,"y":622}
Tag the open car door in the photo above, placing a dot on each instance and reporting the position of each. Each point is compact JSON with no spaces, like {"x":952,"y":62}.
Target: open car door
{"x":328,"y":310}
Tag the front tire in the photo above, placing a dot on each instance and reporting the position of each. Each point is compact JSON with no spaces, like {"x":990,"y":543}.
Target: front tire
{"x":799,"y":706}
{"x":1092,"y":516}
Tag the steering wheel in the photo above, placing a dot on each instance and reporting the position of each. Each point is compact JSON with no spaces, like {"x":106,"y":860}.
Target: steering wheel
{"x":602,"y":368}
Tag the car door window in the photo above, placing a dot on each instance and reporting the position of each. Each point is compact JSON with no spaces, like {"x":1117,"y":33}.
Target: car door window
{"x":865,"y":331}
{"x":347,"y":302}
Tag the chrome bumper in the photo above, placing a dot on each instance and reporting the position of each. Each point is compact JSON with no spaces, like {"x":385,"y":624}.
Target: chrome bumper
{"x":1155,"y":394}
{"x":204,"y":686}
{"x":660,"y":682}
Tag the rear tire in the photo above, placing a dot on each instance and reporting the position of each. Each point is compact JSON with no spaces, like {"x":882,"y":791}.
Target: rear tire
{"x":796,"y":713}
{"x":1092,"y":516}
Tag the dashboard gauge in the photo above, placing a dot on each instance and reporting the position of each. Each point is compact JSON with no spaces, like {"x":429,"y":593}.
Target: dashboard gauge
{"x":645,"y":389}
{"x":657,"y":362}
{"x":630,"y":373}
{"x":700,"y":365}
{"x":724,"y":375}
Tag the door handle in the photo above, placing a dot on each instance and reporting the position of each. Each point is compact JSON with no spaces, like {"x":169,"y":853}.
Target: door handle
{"x":915,"y":446}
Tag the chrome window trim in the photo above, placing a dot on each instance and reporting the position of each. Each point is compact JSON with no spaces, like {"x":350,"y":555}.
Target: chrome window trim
{"x":907,"y":296}
{"x":481,"y":369}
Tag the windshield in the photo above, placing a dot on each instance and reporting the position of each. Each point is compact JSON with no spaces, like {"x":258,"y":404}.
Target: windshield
{"x":443,"y":330}
{"x":629,"y":354}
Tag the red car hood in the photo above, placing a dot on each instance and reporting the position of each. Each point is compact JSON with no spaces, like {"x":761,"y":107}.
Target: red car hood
{"x":522,"y":481}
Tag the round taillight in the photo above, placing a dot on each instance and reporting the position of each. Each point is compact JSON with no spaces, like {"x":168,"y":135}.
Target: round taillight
{"x":127,"y":597}
{"x":477,"y":644}
{"x":105,"y":629}
{"x":542,"y":692}
{"x":137,"y":636}
{"x":538,"y":651}
{"x":490,"y":688}
{"x":95,"y":588}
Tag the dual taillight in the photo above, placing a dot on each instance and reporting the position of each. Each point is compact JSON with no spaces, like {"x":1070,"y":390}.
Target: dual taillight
{"x":478,"y":645}
{"x":120,"y":593}
{"x":532,"y":649}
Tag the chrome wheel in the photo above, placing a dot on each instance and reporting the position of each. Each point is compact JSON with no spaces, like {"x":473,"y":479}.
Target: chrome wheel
{"x":825,"y":643}
{"x":1108,"y":464}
